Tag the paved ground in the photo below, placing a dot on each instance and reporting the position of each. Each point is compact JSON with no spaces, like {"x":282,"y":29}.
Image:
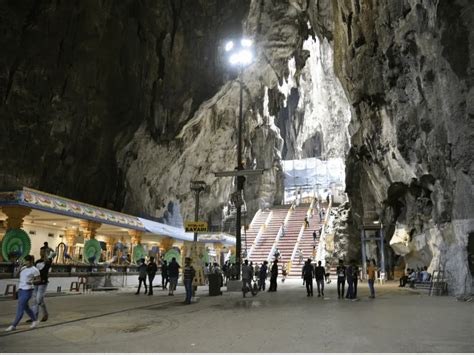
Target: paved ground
{"x":398,"y":320}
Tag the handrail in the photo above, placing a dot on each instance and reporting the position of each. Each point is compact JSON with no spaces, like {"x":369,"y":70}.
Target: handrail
{"x":259,"y":234}
{"x":300,"y":235}
{"x":321,"y":254}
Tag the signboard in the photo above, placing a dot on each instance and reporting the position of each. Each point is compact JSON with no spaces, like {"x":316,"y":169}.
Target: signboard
{"x":195,"y":226}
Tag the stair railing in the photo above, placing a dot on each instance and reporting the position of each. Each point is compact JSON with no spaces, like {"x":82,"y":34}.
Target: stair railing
{"x":275,"y":243}
{"x":321,"y":254}
{"x":259,"y":234}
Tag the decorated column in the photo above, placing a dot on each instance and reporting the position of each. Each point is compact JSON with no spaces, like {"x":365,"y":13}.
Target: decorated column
{"x":71,"y":235}
{"x":89,"y":229}
{"x":15,"y":216}
{"x":137,"y":249}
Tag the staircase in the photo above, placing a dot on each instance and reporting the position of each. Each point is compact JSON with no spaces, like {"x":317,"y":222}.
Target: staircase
{"x":293,"y":226}
{"x":263,"y":246}
{"x":306,"y":243}
{"x":249,"y":236}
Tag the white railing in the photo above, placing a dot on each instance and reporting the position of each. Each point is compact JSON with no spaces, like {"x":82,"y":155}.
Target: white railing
{"x":259,"y":234}
{"x":321,"y":255}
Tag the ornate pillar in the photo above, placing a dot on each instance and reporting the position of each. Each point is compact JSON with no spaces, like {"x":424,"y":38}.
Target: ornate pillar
{"x":89,"y":229}
{"x":136,"y":238}
{"x":110,"y":242}
{"x":166,"y":244}
{"x":218,"y":249}
{"x":15,"y":215}
{"x":71,"y":235}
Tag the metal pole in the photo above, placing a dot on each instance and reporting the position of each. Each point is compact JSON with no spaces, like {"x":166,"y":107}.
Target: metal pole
{"x":364,"y":257}
{"x":240,"y":183}
{"x":196,"y":213}
{"x":382,"y":250}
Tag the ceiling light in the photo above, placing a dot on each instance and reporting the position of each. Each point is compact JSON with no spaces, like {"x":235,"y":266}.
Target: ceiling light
{"x":229,"y":45}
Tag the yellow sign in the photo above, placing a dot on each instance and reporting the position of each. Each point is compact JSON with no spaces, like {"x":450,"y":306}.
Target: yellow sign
{"x":195,"y":226}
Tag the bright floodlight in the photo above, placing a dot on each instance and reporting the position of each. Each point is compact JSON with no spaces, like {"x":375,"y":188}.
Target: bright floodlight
{"x":246,"y":42}
{"x":242,"y":57}
{"x":229,"y":46}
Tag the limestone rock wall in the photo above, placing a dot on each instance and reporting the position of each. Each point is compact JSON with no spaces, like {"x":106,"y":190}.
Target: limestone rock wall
{"x":407,"y":68}
{"x":78,"y":78}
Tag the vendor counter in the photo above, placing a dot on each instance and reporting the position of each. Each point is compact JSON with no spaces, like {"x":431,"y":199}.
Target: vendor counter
{"x":61,"y":276}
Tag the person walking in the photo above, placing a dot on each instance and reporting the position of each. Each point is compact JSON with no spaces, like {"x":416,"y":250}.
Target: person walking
{"x":262,"y":277}
{"x":151,"y":270}
{"x":319,"y":275}
{"x":43,"y":265}
{"x":300,"y":255}
{"x":273,"y":276}
{"x":247,"y":275}
{"x":173,"y":272}
{"x":284,"y":272}
{"x":307,"y":274}
{"x":306,"y":223}
{"x":188,"y":277}
{"x":371,"y":270}
{"x":314,"y":236}
{"x":29,"y":275}
{"x":341,"y":278}
{"x":164,"y":275}
{"x":142,"y":273}
{"x":283,"y":231}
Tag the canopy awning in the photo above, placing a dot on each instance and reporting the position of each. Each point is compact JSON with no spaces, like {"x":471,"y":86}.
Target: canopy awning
{"x":52,"y":204}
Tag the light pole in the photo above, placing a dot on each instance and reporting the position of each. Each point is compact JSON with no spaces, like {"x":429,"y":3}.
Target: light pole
{"x":240,"y":55}
{"x":197,"y":187}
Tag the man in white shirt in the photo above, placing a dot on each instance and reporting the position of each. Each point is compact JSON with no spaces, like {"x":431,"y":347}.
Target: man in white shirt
{"x":28,"y":275}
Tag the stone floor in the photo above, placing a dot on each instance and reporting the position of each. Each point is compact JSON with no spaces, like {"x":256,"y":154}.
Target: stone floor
{"x":398,"y":320}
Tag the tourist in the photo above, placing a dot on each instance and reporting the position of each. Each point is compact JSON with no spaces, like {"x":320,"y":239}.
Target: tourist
{"x":28,"y":276}
{"x":412,"y":277}
{"x":188,"y":276}
{"x":356,"y":278}
{"x":341,"y":279}
{"x":151,"y":270}
{"x":277,"y":253}
{"x":142,"y":273}
{"x":319,"y":274}
{"x":262,"y":276}
{"x":273,"y":276}
{"x":314,"y":236}
{"x":307,"y":275}
{"x":173,"y":274}
{"x":225,"y":271}
{"x":284,"y":272}
{"x":404,"y":278}
{"x":425,"y":276}
{"x":371,"y":270}
{"x":320,"y":215}
{"x":247,"y":275}
{"x":43,"y":265}
{"x":300,"y":255}
{"x":164,"y":275}
{"x":282,"y":229}
{"x":306,"y":223}
{"x":350,"y":280}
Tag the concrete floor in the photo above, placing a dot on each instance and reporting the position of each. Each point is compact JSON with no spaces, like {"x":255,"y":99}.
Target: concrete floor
{"x":398,"y":320}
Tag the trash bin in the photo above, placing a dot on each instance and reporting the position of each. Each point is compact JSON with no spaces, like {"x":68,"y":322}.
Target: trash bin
{"x":214,"y":285}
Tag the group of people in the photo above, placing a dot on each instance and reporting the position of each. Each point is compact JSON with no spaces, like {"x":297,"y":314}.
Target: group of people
{"x":33,"y":282}
{"x":169,"y":274}
{"x":351,"y":274}
{"x":311,"y":271}
{"x":412,"y":276}
{"x":261,"y":274}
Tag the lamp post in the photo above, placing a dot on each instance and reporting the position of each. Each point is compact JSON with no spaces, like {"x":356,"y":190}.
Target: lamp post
{"x":197,"y":187}
{"x":240,"y":55}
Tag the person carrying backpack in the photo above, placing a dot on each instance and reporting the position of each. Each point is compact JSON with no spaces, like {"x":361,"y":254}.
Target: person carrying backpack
{"x":173,"y":273}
